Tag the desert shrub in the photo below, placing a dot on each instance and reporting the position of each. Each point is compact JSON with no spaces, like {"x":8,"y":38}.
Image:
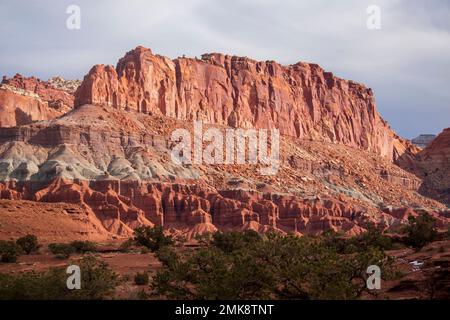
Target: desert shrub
{"x":372,"y":238}
{"x":84,"y":246}
{"x":97,"y":282}
{"x":152,"y":238}
{"x":232,"y":241}
{"x":141,"y":279}
{"x":142,"y":295}
{"x":420,"y":231}
{"x":30,"y":285}
{"x":204,"y":238}
{"x":337,"y":241}
{"x":271,"y":267}
{"x":126,"y":245}
{"x":61,"y":250}
{"x":9,"y":251}
{"x":180,"y":240}
{"x":436,"y":284}
{"x":144,"y":250}
{"x":28,"y":243}
{"x":64,"y":250}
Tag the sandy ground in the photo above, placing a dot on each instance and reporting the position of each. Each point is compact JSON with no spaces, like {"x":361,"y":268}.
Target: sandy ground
{"x":50,"y":222}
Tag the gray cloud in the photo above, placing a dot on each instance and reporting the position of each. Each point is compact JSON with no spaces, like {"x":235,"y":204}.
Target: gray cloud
{"x":407,"y":62}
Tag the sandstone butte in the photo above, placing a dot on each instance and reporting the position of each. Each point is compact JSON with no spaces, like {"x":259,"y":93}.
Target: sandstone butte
{"x":302,"y":100}
{"x":109,"y":155}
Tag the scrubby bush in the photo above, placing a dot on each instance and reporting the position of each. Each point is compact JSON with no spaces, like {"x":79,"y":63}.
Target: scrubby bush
{"x":152,"y":238}
{"x":269,"y":267}
{"x":61,"y":250}
{"x":126,"y":245}
{"x":141,"y":279}
{"x":28,"y":243}
{"x":372,"y":238}
{"x":420,"y":231}
{"x":84,"y":246}
{"x":97,"y":282}
{"x":9,"y":251}
{"x":65,"y":250}
{"x":204,"y":238}
{"x":231,"y":241}
{"x":180,"y":239}
{"x":142,"y":295}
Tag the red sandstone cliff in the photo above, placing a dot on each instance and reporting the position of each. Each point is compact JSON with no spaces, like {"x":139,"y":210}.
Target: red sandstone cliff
{"x":24,"y":100}
{"x":302,"y":100}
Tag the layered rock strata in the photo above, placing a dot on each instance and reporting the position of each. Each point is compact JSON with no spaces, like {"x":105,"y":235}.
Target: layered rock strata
{"x":302,"y":99}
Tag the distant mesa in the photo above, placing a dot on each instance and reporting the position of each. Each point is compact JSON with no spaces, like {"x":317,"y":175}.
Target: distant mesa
{"x":423,"y":140}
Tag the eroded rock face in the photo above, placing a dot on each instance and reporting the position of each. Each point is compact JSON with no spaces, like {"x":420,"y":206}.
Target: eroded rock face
{"x":302,"y":100}
{"x":433,"y":164}
{"x":57,"y":92}
{"x":18,"y":107}
{"x":121,"y":206}
{"x":24,"y":100}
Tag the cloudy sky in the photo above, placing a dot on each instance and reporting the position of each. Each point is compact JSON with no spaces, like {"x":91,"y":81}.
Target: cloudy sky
{"x":406,"y":62}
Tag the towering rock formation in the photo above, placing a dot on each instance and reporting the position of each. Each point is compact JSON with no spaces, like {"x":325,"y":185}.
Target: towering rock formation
{"x":302,"y":100}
